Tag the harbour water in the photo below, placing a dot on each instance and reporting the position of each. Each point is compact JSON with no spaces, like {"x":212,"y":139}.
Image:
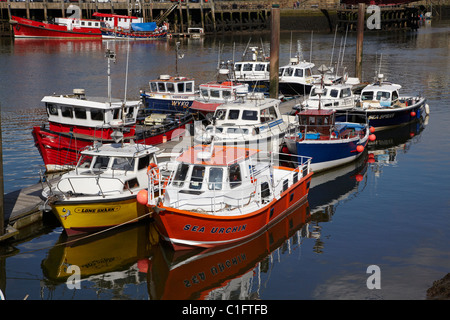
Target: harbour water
{"x":390,"y":210}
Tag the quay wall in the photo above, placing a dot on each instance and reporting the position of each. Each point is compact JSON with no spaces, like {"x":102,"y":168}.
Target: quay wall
{"x":215,"y":16}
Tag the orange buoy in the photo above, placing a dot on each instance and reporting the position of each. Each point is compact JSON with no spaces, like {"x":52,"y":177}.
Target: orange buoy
{"x":360,"y":148}
{"x":142,"y":197}
{"x":372,"y":137}
{"x":372,"y":129}
{"x":359,"y":177}
{"x":413,"y":114}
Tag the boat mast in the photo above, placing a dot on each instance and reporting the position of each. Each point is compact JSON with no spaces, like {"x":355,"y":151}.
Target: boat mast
{"x":111,"y":56}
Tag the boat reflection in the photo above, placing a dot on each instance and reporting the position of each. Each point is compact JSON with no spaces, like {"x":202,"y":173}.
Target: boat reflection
{"x":113,"y":255}
{"x":230,"y":272}
{"x":384,"y":150}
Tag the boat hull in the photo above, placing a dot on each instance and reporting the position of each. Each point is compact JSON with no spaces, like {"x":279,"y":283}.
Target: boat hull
{"x":138,"y":35}
{"x":327,"y":154}
{"x":82,"y":216}
{"x":186,"y":229}
{"x":294,"y":89}
{"x":384,"y":118}
{"x":25,"y":28}
{"x":167,"y":104}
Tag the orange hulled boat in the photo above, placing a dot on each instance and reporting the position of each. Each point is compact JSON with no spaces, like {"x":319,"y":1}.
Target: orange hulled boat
{"x":219,"y":195}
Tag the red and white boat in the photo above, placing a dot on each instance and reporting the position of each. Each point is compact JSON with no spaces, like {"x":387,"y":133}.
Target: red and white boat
{"x":76,"y":121}
{"x":72,"y":27}
{"x":220,"y":195}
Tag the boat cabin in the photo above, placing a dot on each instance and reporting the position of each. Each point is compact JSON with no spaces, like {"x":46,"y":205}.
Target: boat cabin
{"x":255,"y":68}
{"x":217,"y":175}
{"x":166,"y":84}
{"x":77,"y":114}
{"x":240,"y":118}
{"x":108,"y":168}
{"x":73,"y":24}
{"x":116,"y":21}
{"x":221,"y":91}
{"x":314,"y":123}
{"x":336,"y":96}
{"x":382,"y":93}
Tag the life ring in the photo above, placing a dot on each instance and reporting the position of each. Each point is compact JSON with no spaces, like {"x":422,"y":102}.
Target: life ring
{"x":153,"y":170}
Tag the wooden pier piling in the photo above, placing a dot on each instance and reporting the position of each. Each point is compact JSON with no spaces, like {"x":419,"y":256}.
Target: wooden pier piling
{"x":359,"y":41}
{"x":274,"y":50}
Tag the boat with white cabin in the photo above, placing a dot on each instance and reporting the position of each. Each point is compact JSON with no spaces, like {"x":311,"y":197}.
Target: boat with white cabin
{"x":220,"y":195}
{"x":101,"y":191}
{"x":251,"y":120}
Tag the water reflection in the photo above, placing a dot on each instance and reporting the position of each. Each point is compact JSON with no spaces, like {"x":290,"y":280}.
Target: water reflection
{"x":107,"y":262}
{"x":228,"y":273}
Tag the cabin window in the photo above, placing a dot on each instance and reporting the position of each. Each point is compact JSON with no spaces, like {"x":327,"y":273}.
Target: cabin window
{"x":82,"y":23}
{"x":215,"y":93}
{"x":235,"y":176}
{"x":116,"y":114}
{"x":189,"y":87}
{"x":131,"y":184}
{"x":383,"y":95}
{"x":288,"y":72}
{"x":180,"y":87}
{"x":153,"y":87}
{"x":308,"y":72}
{"x":394,"y":96}
{"x":204,"y":93}
{"x":85,"y":161}
{"x":238,"y":66}
{"x":226,"y":94}
{"x":368,"y":95}
{"x":101,"y":163}
{"x":233,"y":114}
{"x":247,"y":67}
{"x":52,"y":109}
{"x":280,"y":73}
{"x":260,"y":67}
{"x":180,"y":175}
{"x":237,"y":130}
{"x":161,"y":87}
{"x":334,"y":93}
{"x":347,"y":92}
{"x":67,"y":112}
{"x":268,"y":114}
{"x":123,"y":164}
{"x":89,"y":24}
{"x":129,"y":112}
{"x":298,"y":73}
{"x":80,"y":113}
{"x":249,"y":115}
{"x":170,"y":87}
{"x":211,"y":129}
{"x":144,"y":162}
{"x":198,"y":172}
{"x":96,"y":24}
{"x":215,"y":179}
{"x":97,"y":115}
{"x":220,"y":114}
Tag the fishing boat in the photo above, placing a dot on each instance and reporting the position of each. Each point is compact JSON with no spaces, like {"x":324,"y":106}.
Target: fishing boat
{"x":169,"y":94}
{"x":254,"y":71}
{"x":329,"y":143}
{"x":72,"y":27}
{"x":384,"y":107}
{"x":220,"y":195}
{"x":101,"y":191}
{"x":251,"y":120}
